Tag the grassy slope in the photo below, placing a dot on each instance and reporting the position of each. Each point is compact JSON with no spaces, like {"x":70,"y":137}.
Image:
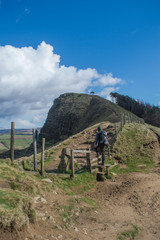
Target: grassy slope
{"x":71,"y":113}
{"x":16,"y":192}
{"x":21,"y":141}
{"x":135,"y":147}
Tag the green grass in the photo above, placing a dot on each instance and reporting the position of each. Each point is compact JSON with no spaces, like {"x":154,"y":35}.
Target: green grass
{"x":129,"y":234}
{"x":16,"y":210}
{"x":90,"y":202}
{"x":78,"y":185}
{"x":49,"y":156}
{"x":66,"y":212}
{"x":21,"y":141}
{"x":134,"y":148}
{"x":17,"y":179}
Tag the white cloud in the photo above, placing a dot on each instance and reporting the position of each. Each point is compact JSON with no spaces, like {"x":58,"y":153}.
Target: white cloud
{"x":106,"y":92}
{"x":38,"y":118}
{"x":31,"y":78}
{"x":24,"y":123}
{"x":106,"y":80}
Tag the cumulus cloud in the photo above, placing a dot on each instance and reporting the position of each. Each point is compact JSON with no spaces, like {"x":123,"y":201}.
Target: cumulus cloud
{"x":31,"y":78}
{"x":106,"y":80}
{"x":106,"y":92}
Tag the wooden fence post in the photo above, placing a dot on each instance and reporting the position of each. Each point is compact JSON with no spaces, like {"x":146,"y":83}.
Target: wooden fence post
{"x":124,"y":119}
{"x":72,"y":163}
{"x":109,"y":151}
{"x":42,"y":157}
{"x":12,"y":140}
{"x":128,"y":118}
{"x":107,"y":171}
{"x":122,"y":122}
{"x":89,"y":167}
{"x":115,"y":125}
{"x":35,"y":150}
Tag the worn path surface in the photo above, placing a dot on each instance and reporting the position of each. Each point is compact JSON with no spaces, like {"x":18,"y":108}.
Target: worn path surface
{"x":130,"y":199}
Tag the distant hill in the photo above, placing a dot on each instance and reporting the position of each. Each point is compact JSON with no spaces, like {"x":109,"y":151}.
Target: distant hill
{"x":21,"y":131}
{"x":151,"y":114}
{"x":23,"y":139}
{"x":73,"y":112}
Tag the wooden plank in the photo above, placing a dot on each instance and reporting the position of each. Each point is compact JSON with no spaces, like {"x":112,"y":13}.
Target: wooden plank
{"x":12,"y":140}
{"x":80,"y":157}
{"x":113,"y":165}
{"x":94,"y":162}
{"x":106,"y":165}
{"x":81,"y":151}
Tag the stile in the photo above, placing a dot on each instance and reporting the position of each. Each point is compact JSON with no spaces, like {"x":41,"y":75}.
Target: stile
{"x":81,"y":151}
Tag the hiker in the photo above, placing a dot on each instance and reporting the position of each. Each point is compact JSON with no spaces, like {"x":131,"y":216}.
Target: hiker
{"x":100,"y":143}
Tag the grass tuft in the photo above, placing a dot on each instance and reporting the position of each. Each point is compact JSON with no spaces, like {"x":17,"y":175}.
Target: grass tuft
{"x":129,"y":234}
{"x":134,"y":148}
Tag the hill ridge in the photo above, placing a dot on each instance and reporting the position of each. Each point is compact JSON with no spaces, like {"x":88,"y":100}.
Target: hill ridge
{"x":73,"y":112}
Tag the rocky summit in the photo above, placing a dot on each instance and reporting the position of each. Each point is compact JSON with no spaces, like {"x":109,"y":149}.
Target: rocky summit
{"x":71,"y":113}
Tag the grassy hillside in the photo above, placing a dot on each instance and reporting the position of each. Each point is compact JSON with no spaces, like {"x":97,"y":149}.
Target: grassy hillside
{"x":19,"y":189}
{"x":71,"y":113}
{"x":16,"y":192}
{"x":23,"y":140}
{"x":135,"y":147}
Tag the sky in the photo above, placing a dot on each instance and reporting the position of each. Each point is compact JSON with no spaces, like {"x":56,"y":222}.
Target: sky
{"x":49,"y":47}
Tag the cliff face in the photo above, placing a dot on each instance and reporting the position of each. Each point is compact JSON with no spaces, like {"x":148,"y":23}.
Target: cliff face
{"x":71,"y":113}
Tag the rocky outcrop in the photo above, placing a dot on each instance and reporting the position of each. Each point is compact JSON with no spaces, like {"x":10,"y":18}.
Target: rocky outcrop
{"x":71,"y":113}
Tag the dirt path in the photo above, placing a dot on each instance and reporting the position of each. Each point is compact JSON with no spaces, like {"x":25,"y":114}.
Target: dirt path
{"x":129,"y":199}
{"x":133,"y":199}
{"x":82,"y":140}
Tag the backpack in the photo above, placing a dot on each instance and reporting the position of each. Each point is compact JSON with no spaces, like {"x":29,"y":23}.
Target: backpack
{"x":103,"y":139}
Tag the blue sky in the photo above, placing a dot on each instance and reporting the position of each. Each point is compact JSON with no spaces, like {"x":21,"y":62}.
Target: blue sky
{"x":119,"y":38}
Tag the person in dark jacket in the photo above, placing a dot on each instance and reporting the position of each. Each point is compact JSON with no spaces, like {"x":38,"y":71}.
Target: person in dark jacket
{"x":100,"y":143}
